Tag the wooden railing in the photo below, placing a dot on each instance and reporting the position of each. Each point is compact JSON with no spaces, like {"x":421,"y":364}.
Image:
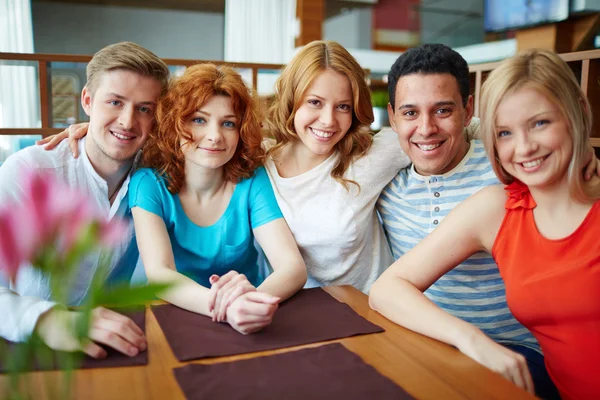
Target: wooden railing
{"x":585,"y":64}
{"x":43,"y":67}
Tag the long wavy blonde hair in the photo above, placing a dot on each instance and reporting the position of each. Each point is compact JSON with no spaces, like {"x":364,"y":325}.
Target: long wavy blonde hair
{"x":547,"y":73}
{"x":290,"y":88}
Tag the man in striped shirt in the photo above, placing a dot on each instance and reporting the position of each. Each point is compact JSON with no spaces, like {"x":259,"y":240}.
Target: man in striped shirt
{"x":429,"y":109}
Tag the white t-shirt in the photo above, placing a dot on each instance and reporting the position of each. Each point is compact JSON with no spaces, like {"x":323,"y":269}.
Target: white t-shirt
{"x":338,"y":231}
{"x":22,"y":304}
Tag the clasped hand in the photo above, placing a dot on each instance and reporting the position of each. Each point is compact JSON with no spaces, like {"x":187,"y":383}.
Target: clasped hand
{"x":233,"y":299}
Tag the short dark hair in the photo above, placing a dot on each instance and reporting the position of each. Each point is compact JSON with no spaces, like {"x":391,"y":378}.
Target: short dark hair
{"x":430,"y":59}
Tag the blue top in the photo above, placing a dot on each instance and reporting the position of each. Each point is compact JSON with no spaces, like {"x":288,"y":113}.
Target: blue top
{"x":226,"y":245}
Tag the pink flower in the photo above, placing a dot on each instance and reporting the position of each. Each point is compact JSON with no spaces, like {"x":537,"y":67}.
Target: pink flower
{"x":10,"y":257}
{"x":112,"y":232}
{"x":50,"y":214}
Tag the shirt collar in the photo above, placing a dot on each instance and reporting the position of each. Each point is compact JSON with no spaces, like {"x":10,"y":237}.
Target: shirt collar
{"x":449,"y":174}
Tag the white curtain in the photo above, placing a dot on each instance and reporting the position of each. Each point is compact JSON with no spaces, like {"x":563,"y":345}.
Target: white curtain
{"x":260,"y":31}
{"x":19,"y":104}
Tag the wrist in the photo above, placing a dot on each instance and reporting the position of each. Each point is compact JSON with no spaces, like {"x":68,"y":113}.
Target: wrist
{"x":48,"y":319}
{"x":54,"y":325}
{"x":466,"y":336}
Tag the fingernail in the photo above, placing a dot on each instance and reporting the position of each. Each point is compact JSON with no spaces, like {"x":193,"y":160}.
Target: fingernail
{"x":143,"y":346}
{"x":133,"y":351}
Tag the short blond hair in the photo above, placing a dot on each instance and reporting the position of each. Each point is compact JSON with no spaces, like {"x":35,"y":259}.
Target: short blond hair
{"x":291,"y":86}
{"x":547,"y":73}
{"x":128,"y":56}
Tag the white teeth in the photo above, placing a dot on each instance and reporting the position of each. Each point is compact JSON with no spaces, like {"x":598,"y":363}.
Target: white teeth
{"x":534,"y":163}
{"x":122,"y":137}
{"x":322,"y":134}
{"x":429,"y":147}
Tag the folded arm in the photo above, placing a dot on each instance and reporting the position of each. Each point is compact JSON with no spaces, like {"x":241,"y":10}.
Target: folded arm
{"x":398,"y":294}
{"x":249,"y":312}
{"x":20,"y":314}
{"x":289,"y":271}
{"x":157,"y":255}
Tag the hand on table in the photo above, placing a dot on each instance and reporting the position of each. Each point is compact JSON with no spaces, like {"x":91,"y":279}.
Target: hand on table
{"x":251,"y":312}
{"x":498,"y":358}
{"x":57,"y":327}
{"x":223,"y":292}
{"x":73,"y":133}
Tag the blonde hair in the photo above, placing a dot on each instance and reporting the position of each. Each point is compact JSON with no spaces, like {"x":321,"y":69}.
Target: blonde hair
{"x":547,"y":73}
{"x":128,"y":56}
{"x":291,"y":86}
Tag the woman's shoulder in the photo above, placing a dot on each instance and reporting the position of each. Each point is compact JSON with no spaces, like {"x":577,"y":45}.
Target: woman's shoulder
{"x":258,"y":178}
{"x":258,"y":173}
{"x":492,"y":195}
{"x":142,"y":172}
{"x":147,"y":176}
{"x":488,"y":202}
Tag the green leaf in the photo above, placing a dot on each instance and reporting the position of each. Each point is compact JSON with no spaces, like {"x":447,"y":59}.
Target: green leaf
{"x":125,"y":296}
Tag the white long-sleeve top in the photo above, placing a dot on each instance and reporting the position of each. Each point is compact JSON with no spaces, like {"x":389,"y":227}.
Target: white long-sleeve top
{"x":23,"y":303}
{"x":337,"y":230}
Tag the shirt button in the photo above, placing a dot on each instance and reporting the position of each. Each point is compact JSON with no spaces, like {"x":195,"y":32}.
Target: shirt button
{"x":437,"y":194}
{"x":434,"y":179}
{"x":435,"y":221}
{"x":436,"y":209}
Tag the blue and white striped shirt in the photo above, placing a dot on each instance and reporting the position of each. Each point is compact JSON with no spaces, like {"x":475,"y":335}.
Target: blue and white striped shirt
{"x":411,"y":207}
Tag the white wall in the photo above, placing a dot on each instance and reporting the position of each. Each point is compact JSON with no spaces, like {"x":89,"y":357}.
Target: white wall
{"x":351,"y":29}
{"x":84,"y":29}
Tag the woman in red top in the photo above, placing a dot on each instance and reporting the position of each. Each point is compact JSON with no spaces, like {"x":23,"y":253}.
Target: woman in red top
{"x":542,"y":230}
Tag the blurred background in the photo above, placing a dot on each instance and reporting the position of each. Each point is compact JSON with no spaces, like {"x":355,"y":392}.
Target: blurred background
{"x":40,"y":95}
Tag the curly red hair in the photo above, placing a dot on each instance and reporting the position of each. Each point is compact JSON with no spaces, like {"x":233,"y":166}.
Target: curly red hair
{"x":185,"y":96}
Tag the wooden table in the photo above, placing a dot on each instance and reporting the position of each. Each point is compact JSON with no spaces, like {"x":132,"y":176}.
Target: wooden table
{"x":425,"y":368}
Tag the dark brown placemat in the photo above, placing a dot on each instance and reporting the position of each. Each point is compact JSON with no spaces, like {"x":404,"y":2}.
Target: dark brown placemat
{"x":310,"y":316}
{"x":325,"y":372}
{"x":113,"y":358}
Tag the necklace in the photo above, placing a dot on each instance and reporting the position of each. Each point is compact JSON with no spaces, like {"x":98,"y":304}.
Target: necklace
{"x":111,"y":198}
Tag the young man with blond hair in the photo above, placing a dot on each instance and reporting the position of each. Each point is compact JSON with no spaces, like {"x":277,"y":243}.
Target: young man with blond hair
{"x":124,"y":81}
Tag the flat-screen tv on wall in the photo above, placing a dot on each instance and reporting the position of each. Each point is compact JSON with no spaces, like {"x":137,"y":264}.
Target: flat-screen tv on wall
{"x":502,"y":15}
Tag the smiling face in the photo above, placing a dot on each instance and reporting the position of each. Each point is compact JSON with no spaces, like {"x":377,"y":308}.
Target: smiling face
{"x":429,"y":118}
{"x":325,"y":113}
{"x":215,"y":132}
{"x":121,"y":115}
{"x":532,"y":138}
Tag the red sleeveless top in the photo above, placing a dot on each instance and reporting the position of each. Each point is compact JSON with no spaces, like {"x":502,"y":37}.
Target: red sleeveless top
{"x":553,"y":289}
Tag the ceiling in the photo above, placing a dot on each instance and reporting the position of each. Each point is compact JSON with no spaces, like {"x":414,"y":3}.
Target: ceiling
{"x":332,"y":7}
{"x":191,"y":5}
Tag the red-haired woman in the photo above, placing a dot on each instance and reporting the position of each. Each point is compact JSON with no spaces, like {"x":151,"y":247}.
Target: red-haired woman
{"x":202,"y":199}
